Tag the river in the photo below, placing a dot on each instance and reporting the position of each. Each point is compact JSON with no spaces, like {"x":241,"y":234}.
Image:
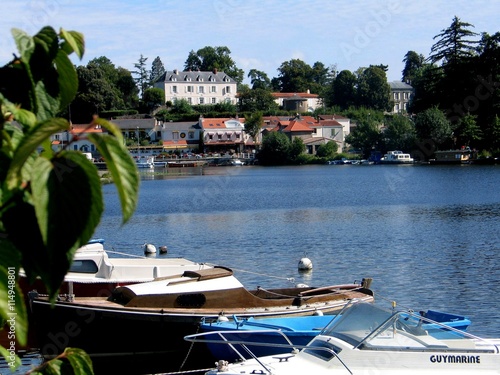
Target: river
{"x":427,"y":235}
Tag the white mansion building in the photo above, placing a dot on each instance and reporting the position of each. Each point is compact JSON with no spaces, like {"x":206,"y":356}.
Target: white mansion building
{"x":197,"y":87}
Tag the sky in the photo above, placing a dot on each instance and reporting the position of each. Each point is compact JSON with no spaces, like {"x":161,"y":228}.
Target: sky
{"x":261,"y":34}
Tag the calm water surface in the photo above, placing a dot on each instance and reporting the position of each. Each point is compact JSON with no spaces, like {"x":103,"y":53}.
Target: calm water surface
{"x":428,"y":235}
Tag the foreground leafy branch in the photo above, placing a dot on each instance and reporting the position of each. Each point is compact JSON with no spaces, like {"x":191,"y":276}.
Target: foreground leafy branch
{"x":51,"y":202}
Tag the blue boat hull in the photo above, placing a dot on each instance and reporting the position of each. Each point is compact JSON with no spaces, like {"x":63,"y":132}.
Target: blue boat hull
{"x":301,"y":330}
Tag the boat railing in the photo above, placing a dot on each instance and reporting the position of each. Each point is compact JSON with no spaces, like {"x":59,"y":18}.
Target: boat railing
{"x":220,"y":337}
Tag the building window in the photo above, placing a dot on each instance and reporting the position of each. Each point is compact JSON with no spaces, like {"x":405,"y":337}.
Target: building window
{"x":214,"y":100}
{"x":396,"y":95}
{"x":202,"y":100}
{"x":190,"y":88}
{"x":190,"y":101}
{"x":406,"y":95}
{"x":211,"y":136}
{"x":191,"y":135}
{"x":219,"y":137}
{"x":201,"y":89}
{"x":237,"y":135}
{"x":228,"y":89}
{"x":174,"y":89}
{"x":213,"y":89}
{"x":175,"y":136}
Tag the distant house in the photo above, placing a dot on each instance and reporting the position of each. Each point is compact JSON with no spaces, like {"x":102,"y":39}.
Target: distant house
{"x":198,"y":87}
{"x":225,"y":135}
{"x":75,"y":139}
{"x":314,"y":132}
{"x":401,"y":94}
{"x":298,"y":101}
{"x":181,"y":136}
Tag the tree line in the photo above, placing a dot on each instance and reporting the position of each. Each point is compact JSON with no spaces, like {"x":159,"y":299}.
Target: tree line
{"x":455,"y":103}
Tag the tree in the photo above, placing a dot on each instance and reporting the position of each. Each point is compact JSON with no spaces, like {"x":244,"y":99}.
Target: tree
{"x":154,"y":98}
{"x":413,"y":62}
{"x":373,"y":91}
{"x":41,"y":192}
{"x":469,"y":133}
{"x":454,"y":43}
{"x":181,"y":106}
{"x":259,"y":80}
{"x":126,"y":86}
{"x":399,"y":133}
{"x":296,"y":76}
{"x":210,"y":58}
{"x":256,"y":100}
{"x":297,"y":147}
{"x":327,"y":150}
{"x":275,"y":149}
{"x":432,"y":125}
{"x":343,"y":90}
{"x":142,"y":75}
{"x":253,"y":125}
{"x":96,"y":93}
{"x":365,"y":136}
{"x":157,"y":70}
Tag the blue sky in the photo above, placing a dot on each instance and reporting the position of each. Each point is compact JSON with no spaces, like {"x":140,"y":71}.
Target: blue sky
{"x":347,"y":34}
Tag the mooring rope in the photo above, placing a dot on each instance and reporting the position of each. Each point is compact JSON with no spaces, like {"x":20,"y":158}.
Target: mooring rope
{"x":202,"y":370}
{"x":291,"y":279}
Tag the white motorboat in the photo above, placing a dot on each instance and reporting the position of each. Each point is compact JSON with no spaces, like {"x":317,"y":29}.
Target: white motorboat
{"x":396,"y":157}
{"x":94,"y":273}
{"x":145,"y":162}
{"x":367,"y":339}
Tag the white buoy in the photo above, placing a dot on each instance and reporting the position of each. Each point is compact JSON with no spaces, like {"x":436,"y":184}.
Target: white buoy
{"x":149,"y":248}
{"x":305,"y":264}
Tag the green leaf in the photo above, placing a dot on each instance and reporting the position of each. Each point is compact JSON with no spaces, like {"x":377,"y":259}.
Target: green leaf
{"x":12,"y":307}
{"x":4,"y":352}
{"x":110,"y":127}
{"x":25,"y":44}
{"x":122,"y":168}
{"x":68,"y":79}
{"x":67,"y":196}
{"x":25,"y":117}
{"x":71,"y":362}
{"x":29,"y":145}
{"x":47,"y":105}
{"x":79,"y":360}
{"x":74,"y":42}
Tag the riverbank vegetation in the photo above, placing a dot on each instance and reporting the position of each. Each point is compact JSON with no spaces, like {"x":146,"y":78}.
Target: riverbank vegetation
{"x":456,"y":100}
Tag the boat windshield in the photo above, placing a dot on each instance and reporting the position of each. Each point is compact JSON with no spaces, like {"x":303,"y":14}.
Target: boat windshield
{"x":369,"y":327}
{"x":357,"y":322}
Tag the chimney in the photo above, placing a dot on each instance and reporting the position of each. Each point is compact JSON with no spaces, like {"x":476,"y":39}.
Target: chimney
{"x":215,"y":70}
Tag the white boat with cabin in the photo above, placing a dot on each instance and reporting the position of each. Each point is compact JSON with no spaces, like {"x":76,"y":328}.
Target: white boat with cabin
{"x":396,"y":157}
{"x":94,"y":273}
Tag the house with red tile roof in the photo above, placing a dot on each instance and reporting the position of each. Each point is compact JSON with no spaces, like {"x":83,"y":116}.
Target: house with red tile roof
{"x":313,"y":131}
{"x":76,"y":138}
{"x":222,"y":135}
